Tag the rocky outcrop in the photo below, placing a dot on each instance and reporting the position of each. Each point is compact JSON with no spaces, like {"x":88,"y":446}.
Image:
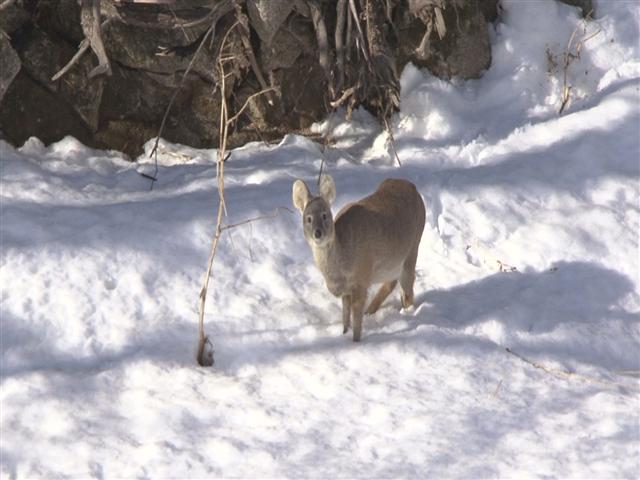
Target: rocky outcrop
{"x":316,"y":54}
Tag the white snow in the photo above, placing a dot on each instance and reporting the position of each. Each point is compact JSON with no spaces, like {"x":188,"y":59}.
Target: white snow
{"x":100,"y":281}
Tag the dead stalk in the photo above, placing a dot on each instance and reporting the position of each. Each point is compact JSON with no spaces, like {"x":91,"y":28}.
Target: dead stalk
{"x":572,"y":53}
{"x":205,"y":348}
{"x":154,"y":150}
{"x":6,"y":4}
{"x":392,"y":140}
{"x":82,"y":48}
{"x":565,"y":373}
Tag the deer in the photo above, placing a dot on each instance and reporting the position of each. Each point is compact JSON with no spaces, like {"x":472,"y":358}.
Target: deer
{"x":373,"y":240}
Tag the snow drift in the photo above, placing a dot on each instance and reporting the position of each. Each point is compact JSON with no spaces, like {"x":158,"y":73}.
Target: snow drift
{"x":531,"y":245}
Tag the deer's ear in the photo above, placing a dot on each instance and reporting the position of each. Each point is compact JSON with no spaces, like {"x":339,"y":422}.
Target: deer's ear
{"x":300,"y":195}
{"x":327,"y":189}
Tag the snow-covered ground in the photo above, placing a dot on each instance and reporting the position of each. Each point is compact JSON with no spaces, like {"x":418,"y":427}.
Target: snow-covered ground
{"x":531,"y":245}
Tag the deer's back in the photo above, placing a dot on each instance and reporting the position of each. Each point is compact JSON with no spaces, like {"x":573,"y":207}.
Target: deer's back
{"x":378,"y":232}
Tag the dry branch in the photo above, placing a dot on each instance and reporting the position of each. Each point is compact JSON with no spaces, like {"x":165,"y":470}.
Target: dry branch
{"x":341,"y":13}
{"x":392,"y":140}
{"x":246,"y":103}
{"x":154,"y":150}
{"x":269,"y":216}
{"x":324,"y":57}
{"x":356,"y":20}
{"x":204,"y":355}
{"x":6,"y":4}
{"x":245,"y":33}
{"x":572,"y":53}
{"x":566,"y":374}
{"x":83,"y":47}
{"x":90,"y":20}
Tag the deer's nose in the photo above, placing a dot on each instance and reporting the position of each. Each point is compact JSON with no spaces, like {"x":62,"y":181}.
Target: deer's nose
{"x":317,"y":233}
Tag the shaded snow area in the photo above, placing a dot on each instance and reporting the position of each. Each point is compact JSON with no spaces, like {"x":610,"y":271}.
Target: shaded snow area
{"x":531,"y":245}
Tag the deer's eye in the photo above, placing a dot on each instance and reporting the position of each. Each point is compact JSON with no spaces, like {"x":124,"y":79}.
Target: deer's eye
{"x":324,"y":216}
{"x":309,"y":219}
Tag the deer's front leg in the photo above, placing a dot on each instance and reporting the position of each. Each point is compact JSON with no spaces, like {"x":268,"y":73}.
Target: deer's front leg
{"x":358,"y":299}
{"x":346,"y":313}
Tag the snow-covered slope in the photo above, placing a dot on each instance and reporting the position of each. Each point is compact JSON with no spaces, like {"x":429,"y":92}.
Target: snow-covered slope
{"x":531,"y":245}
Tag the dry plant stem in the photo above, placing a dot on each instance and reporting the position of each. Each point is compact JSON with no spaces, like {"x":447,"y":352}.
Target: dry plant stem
{"x":320,"y":172}
{"x":246,"y":103}
{"x":204,"y":355}
{"x":83,"y":47}
{"x":344,"y":97}
{"x":93,"y":32}
{"x":564,"y":373}
{"x":569,"y":57}
{"x":341,"y":13}
{"x":323,"y":43}
{"x":246,"y":43}
{"x":363,"y":45}
{"x":393,"y":141}
{"x":270,"y":216}
{"x":6,"y":4}
{"x":154,"y":151}
{"x":495,"y":392}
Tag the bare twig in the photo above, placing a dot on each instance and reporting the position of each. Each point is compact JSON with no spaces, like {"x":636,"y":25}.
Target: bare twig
{"x":393,"y":141}
{"x":565,"y":373}
{"x":363,"y":45}
{"x":217,"y":9}
{"x":90,"y":20}
{"x":154,"y":150}
{"x":495,"y":392}
{"x":6,"y":4}
{"x":341,"y":13}
{"x":506,"y":268}
{"x":246,"y":103}
{"x":205,"y":348}
{"x":243,"y":20}
{"x":269,"y":216}
{"x":570,"y":54}
{"x":324,"y":52}
{"x":82,"y":48}
{"x":344,"y":97}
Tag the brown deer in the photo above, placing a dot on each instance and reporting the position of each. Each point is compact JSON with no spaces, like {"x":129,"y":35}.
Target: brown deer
{"x":374,"y":240}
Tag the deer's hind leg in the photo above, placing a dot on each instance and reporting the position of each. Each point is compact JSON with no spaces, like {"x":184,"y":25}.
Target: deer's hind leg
{"x":383,"y":292}
{"x":408,"y":277}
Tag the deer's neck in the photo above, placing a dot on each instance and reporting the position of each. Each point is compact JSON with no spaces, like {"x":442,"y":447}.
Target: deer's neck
{"x":329,"y":261}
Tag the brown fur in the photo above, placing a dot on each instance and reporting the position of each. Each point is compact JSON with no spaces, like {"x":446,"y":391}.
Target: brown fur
{"x":373,"y":240}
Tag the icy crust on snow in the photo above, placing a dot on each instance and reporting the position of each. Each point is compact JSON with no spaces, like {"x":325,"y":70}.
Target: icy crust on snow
{"x":531,"y":244}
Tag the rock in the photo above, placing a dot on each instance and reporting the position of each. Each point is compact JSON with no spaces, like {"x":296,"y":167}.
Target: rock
{"x":267,"y":16}
{"x":144,"y":49}
{"x":9,"y":64}
{"x":150,"y":47}
{"x":42,"y":57}
{"x":453,"y":43}
{"x":60,"y":18}
{"x":489,"y":9}
{"x":586,"y":6}
{"x":282,"y":52}
{"x":29,"y":109}
{"x":13,"y":18}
